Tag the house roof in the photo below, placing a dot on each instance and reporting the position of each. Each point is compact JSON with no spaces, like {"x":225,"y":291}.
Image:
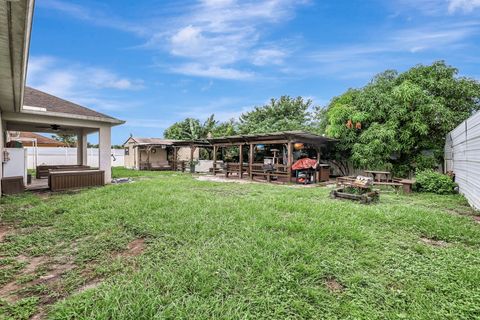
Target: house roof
{"x":43,"y":141}
{"x":151,"y":141}
{"x":39,"y":99}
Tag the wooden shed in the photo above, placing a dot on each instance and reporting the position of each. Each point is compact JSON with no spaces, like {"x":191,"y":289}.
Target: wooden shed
{"x":155,"y":153}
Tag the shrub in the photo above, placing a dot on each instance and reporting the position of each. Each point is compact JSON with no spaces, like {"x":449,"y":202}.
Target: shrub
{"x":426,"y":162}
{"x":432,"y":181}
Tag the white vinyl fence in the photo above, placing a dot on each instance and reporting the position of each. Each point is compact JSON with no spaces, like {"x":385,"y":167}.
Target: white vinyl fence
{"x":61,"y":156}
{"x":462,"y":156}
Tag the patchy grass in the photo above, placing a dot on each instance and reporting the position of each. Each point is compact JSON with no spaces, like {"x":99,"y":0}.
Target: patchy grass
{"x":169,"y":246}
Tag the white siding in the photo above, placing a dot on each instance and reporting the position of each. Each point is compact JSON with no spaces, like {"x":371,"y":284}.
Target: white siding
{"x":462,"y":156}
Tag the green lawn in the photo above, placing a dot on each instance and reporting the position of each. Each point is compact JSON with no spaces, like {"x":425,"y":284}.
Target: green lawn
{"x":168,"y":246}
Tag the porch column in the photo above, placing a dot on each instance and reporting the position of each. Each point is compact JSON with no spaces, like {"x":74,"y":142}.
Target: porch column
{"x":82,"y":148}
{"x":240,"y":160}
{"x":214,"y":167}
{"x":250,"y":161}
{"x":289,"y":160}
{"x":105,"y":152}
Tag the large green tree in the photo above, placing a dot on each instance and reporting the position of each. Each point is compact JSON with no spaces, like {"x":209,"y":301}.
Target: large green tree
{"x":193,"y":129}
{"x":399,"y":119}
{"x":70,"y":140}
{"x":282,"y":114}
{"x":190,"y":129}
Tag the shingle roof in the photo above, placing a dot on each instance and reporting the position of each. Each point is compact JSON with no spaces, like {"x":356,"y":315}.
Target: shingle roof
{"x":41,"y":140}
{"x":37,"y":98}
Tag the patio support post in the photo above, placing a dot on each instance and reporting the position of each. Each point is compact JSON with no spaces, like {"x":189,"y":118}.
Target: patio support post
{"x":174,"y":166}
{"x":250,"y":161}
{"x":82,"y":147}
{"x":289,"y":160}
{"x":214,"y":167}
{"x":105,"y":152}
{"x":148,"y":149}
{"x":192,"y":152}
{"x":318,"y":169}
{"x":240,"y":160}
{"x":139,"y":158}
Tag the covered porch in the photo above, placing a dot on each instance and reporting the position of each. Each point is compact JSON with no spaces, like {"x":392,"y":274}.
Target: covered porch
{"x":44,"y":113}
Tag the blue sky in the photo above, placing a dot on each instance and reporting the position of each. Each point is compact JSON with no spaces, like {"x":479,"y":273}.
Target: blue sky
{"x":154,"y":62}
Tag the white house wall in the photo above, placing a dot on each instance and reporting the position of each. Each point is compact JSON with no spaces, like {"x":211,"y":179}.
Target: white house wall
{"x":464,"y":151}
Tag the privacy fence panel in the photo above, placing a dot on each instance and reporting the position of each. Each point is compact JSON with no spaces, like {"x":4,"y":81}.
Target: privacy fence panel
{"x":462,"y":156}
{"x":64,"y":156}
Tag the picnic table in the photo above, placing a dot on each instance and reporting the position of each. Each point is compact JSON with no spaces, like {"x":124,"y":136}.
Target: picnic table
{"x":375,"y":173}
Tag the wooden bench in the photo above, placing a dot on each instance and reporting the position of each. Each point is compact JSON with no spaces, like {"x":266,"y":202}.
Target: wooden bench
{"x":405,"y":184}
{"x":234,"y":168}
{"x":160,"y":166}
{"x":259,"y":170}
{"x":42,"y":171}
{"x":76,"y":179}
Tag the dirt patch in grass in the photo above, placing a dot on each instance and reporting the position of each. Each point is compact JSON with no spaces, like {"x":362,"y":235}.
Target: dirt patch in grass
{"x":92,"y":284}
{"x":434,"y":242}
{"x":476,"y":219}
{"x":4,"y":232}
{"x":222,"y":179}
{"x":32,"y":263}
{"x":44,"y":277}
{"x":334,"y":286}
{"x":12,"y":291}
{"x":134,"y":248}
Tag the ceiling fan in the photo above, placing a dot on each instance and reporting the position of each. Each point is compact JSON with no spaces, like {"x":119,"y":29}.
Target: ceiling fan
{"x":53,"y":127}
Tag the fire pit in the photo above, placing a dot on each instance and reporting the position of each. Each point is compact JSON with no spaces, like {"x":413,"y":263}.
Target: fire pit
{"x":357,"y":189}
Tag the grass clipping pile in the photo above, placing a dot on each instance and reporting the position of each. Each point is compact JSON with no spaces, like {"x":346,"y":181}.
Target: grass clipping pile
{"x":357,"y":189}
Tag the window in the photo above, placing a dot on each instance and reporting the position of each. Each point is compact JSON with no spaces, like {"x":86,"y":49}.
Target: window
{"x":127,"y":151}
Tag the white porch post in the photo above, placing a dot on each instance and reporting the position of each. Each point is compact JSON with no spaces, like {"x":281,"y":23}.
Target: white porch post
{"x":82,"y":148}
{"x":105,"y":151}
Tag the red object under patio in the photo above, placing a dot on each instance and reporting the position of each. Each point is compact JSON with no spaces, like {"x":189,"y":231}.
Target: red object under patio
{"x":304,"y":164}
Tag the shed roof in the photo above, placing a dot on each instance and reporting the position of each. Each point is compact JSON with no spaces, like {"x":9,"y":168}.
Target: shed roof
{"x":40,"y":99}
{"x":275,"y":137}
{"x":151,"y":141}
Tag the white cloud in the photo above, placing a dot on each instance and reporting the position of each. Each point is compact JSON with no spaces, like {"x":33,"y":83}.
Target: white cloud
{"x":196,"y":69}
{"x":97,"y":17}
{"x":269,"y":56}
{"x":363,"y":60}
{"x":465,"y":6}
{"x":215,"y":35}
{"x":218,"y":37}
{"x":148,"y":123}
{"x":434,"y":7}
{"x":78,"y":83}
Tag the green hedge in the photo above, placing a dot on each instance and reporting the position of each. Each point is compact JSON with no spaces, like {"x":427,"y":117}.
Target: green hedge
{"x":432,"y":181}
